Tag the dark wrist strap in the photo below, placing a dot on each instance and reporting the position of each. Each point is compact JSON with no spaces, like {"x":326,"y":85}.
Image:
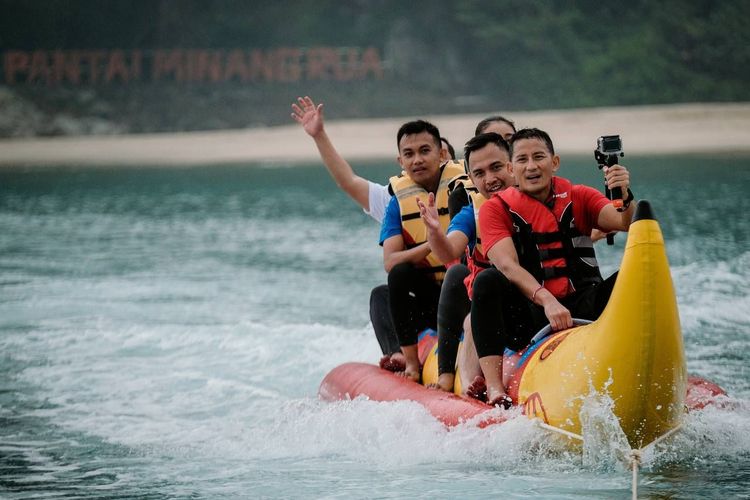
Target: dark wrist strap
{"x":626,"y":201}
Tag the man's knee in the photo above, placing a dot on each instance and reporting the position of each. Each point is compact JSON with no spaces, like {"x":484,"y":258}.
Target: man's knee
{"x":491,"y":282}
{"x":455,"y":276}
{"x":456,"y":272}
{"x":400,"y":273}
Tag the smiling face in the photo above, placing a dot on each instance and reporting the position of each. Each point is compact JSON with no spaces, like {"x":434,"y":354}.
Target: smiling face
{"x":533,"y":166}
{"x":419,"y":157}
{"x":489,"y":169}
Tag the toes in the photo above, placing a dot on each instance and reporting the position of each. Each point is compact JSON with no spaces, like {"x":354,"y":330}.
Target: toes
{"x":477,"y":389}
{"x":385,"y":362}
{"x":502,"y":401}
{"x":478,"y":395}
{"x":392,"y":365}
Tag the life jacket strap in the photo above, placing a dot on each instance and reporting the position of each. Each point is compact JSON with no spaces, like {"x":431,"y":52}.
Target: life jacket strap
{"x":549,"y":273}
{"x":546,"y":238}
{"x":551,"y":253}
{"x":416,"y":215}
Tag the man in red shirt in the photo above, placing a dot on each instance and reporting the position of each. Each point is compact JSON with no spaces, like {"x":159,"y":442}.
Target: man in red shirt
{"x":538,"y":237}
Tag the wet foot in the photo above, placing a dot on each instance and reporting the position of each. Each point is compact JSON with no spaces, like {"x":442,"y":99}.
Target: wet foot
{"x":410,"y":375}
{"x":477,"y":389}
{"x":496,"y":396}
{"x":444,"y":382}
{"x":500,"y":400}
{"x":413,"y":372}
{"x":393,"y":362}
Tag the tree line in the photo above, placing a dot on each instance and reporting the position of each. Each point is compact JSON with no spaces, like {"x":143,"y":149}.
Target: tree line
{"x":438,"y":56}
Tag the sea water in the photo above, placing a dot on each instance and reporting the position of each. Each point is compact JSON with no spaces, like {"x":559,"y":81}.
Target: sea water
{"x":163,"y":332}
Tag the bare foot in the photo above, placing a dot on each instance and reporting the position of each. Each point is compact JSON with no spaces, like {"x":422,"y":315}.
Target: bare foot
{"x":398,"y":359}
{"x":411,"y":371}
{"x":477,"y":389}
{"x":385,"y":362}
{"x":393,"y":362}
{"x":499,"y":398}
{"x":444,"y":382}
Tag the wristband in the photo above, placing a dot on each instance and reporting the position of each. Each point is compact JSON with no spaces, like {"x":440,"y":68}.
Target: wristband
{"x":533,"y":295}
{"x":626,"y":201}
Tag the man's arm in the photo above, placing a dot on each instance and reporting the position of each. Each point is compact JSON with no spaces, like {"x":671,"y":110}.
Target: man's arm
{"x":504,"y":257}
{"x":310,"y":116}
{"x":394,"y":248}
{"x":445,"y":247}
{"x":394,"y":252}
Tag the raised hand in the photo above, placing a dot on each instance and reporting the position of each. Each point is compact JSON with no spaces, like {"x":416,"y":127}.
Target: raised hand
{"x":307,"y":114}
{"x":429,"y":213}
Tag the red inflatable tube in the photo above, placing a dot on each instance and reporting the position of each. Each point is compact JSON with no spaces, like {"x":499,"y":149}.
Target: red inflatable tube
{"x":351,"y":380}
{"x":360,"y":379}
{"x":701,"y":393}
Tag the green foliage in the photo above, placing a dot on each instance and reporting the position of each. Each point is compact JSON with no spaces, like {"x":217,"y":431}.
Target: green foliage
{"x":440,"y":56}
{"x":562,"y":54}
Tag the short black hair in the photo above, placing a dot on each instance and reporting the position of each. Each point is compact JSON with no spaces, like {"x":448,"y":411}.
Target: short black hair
{"x":449,"y":146}
{"x":532,"y":133}
{"x":481,"y":140}
{"x":417,"y":127}
{"x":482,"y":126}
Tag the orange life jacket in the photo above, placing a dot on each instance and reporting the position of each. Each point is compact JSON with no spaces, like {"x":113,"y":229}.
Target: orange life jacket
{"x":413,"y":229}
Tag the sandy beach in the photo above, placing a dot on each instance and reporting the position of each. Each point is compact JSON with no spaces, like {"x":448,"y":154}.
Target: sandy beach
{"x":645,"y":130}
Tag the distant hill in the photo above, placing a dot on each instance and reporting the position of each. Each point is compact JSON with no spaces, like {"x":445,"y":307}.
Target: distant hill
{"x":74,"y":67}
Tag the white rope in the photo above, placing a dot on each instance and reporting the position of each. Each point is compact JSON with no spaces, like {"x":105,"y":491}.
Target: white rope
{"x":663,"y":436}
{"x":635,"y":462}
{"x":569,"y":434}
{"x":635,"y":454}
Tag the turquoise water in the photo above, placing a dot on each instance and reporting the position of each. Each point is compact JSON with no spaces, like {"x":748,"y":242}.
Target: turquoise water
{"x":163,"y":332}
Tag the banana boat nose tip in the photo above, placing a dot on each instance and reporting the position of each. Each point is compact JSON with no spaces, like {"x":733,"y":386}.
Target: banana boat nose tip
{"x":643,"y":211}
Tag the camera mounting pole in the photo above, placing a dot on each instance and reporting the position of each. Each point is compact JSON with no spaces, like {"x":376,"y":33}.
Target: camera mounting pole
{"x":607,"y":153}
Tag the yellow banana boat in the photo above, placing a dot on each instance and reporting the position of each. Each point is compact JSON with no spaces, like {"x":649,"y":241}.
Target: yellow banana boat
{"x":633,"y":352}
